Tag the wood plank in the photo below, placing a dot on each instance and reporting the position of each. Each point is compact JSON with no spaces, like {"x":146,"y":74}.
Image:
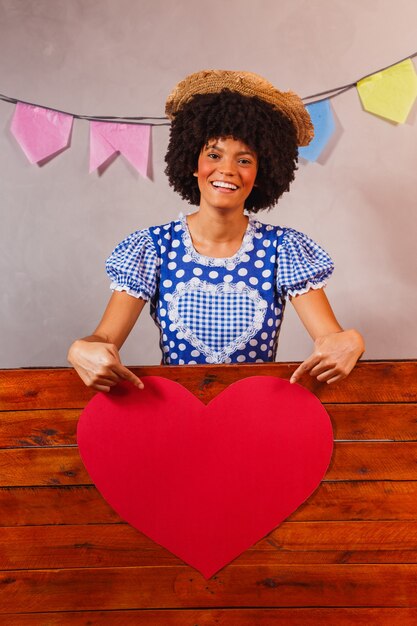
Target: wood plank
{"x":360,"y":500}
{"x":174,"y":587}
{"x":369,"y":536}
{"x":373,"y":461}
{"x":326,"y":557}
{"x":375,"y":381}
{"x":120,"y":545}
{"x":42,"y":388}
{"x":332,"y":501}
{"x":21,"y":506}
{"x":28,"y":467}
{"x":357,"y":422}
{"x":93,"y":566}
{"x":39,"y":428}
{"x":219,"y":617}
{"x":361,"y":422}
{"x":42,"y":466}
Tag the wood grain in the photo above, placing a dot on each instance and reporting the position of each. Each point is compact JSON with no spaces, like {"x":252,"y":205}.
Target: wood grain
{"x":179,"y":586}
{"x":353,"y":422}
{"x":332,"y":501}
{"x":385,"y":381}
{"x":219,"y":617}
{"x":25,"y":467}
{"x":347,"y":556}
{"x":120,"y":545}
{"x":38,"y":428}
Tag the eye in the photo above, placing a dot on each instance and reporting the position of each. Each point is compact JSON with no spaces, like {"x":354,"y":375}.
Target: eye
{"x":244,"y":161}
{"x":212,"y":155}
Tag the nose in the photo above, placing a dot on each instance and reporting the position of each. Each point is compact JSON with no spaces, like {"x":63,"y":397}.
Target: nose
{"x":227,"y":167}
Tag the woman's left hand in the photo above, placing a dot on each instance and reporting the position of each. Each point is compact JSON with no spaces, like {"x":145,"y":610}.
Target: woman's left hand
{"x":333,"y":358}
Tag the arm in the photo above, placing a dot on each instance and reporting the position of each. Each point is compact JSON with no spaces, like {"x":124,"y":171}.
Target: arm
{"x":96,"y":357}
{"x":336,"y":351}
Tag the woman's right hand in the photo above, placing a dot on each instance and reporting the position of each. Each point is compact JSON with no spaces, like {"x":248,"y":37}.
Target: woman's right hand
{"x":98,"y":365}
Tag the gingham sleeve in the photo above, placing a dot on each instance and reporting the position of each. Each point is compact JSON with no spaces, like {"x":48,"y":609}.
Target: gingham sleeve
{"x":132,"y":265}
{"x":302,"y":264}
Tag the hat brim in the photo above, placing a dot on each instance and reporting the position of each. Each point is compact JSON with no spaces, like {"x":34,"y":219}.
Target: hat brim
{"x":247,"y":84}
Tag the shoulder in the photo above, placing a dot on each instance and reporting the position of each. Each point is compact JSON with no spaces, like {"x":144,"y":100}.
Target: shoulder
{"x":262,"y":231}
{"x":160,"y":229}
{"x":284,"y":235}
{"x":134,"y":247}
{"x":149,"y":238}
{"x":295,"y":243}
{"x":166,"y":231}
{"x":262,"y":227}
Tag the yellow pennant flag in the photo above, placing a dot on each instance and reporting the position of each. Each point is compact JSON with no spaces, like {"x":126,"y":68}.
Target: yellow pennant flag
{"x":390,"y":93}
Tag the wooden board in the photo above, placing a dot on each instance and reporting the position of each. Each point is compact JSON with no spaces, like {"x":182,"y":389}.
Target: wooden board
{"x":23,"y":467}
{"x":332,"y":501}
{"x":163,"y":586}
{"x":346,"y":556}
{"x":120,"y":545}
{"x":385,"y":381}
{"x":351,"y":422}
{"x":219,"y":617}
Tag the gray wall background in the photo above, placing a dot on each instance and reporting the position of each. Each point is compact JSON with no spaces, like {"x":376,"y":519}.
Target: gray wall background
{"x":59,"y":223}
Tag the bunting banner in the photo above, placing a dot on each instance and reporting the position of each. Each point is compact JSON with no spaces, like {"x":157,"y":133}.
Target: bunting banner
{"x":323,"y":121}
{"x":43,"y":132}
{"x":130,"y":140}
{"x":390,"y":93}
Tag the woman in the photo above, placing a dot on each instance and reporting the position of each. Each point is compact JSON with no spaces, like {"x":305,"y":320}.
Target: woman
{"x":218,"y":280}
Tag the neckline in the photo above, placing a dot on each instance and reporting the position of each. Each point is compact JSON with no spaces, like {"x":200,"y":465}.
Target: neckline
{"x":218,"y":261}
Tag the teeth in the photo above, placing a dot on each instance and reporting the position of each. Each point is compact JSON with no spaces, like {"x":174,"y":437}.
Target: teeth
{"x":219,"y":183}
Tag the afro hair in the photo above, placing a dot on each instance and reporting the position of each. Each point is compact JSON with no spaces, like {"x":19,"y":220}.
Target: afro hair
{"x":266,"y":131}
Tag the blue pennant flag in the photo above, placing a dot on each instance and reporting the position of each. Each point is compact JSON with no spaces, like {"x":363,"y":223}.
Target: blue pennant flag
{"x":323,"y":122}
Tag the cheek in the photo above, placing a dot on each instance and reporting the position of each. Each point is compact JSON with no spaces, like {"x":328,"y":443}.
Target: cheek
{"x":250,"y":178}
{"x":204,"y":168}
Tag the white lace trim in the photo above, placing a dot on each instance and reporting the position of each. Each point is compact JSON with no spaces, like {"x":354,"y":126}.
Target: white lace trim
{"x":136,"y":294}
{"x":196,"y":342}
{"x":228,"y":262}
{"x":309,"y":285}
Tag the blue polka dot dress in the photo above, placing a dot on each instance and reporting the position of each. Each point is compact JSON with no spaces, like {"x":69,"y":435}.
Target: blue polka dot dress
{"x":218,"y":310}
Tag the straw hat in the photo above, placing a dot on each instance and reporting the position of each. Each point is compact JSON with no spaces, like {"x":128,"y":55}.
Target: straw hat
{"x":247,"y":84}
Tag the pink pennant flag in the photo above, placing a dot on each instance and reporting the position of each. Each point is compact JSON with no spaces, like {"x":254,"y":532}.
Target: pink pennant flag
{"x":40,"y":132}
{"x":131,"y":140}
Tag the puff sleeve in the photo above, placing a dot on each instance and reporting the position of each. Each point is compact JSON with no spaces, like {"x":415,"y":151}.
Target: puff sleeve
{"x":133,"y":264}
{"x":302,"y":264}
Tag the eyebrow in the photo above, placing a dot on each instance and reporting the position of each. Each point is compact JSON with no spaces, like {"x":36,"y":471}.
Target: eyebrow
{"x":240,"y":153}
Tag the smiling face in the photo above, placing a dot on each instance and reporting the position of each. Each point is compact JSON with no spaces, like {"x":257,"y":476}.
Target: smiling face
{"x":226,"y":173}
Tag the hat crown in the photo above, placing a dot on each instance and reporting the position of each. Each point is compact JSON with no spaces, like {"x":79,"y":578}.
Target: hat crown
{"x":247,"y":84}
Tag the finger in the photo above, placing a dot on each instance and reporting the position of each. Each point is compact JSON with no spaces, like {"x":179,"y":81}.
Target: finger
{"x":305,"y":367}
{"x":335,"y":379}
{"x":108,"y":375}
{"x":106,"y":382}
{"x":104,"y":388}
{"x":102,"y":375}
{"x":327,"y":375}
{"x":320,"y":368}
{"x":126,"y":374}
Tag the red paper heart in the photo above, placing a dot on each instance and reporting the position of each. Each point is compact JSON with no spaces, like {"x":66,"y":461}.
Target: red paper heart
{"x":206,"y":481}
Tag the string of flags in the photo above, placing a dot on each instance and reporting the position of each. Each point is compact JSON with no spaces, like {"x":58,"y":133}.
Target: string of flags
{"x":43,"y":132}
{"x":389,"y":93}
